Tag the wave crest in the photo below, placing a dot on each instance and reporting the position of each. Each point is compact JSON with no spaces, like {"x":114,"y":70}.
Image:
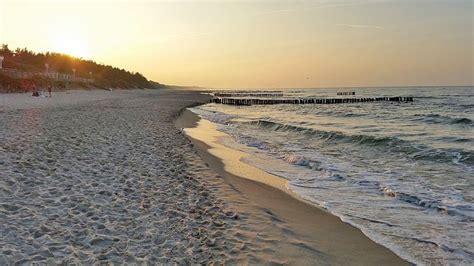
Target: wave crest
{"x":391,"y":144}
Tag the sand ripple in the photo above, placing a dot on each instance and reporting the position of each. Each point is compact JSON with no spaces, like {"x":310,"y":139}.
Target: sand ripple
{"x":107,"y":181}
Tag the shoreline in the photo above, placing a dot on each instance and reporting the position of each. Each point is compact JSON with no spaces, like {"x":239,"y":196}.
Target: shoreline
{"x":320,"y":228}
{"x":107,"y":177}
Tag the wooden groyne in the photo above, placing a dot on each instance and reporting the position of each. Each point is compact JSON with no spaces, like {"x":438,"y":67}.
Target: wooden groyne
{"x":248,"y":94}
{"x":257,"y":101}
{"x":346,"y":93}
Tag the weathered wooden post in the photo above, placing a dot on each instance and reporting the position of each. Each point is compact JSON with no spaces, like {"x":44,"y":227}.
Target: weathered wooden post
{"x":46,"y":69}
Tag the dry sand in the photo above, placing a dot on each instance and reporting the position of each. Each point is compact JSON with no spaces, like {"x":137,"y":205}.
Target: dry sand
{"x":97,"y":176}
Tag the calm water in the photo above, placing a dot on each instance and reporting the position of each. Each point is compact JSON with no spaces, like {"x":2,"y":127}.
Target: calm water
{"x":402,"y":173}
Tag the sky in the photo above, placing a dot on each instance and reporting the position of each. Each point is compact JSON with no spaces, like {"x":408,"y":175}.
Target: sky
{"x":257,"y":44}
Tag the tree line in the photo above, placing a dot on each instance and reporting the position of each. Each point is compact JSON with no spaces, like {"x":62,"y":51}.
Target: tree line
{"x":104,"y":76}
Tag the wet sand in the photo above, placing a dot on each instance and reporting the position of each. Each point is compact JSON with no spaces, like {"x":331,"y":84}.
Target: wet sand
{"x":95,"y":177}
{"x":323,"y":237}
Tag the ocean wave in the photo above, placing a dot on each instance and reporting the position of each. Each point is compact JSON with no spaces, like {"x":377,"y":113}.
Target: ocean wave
{"x":463,"y":252}
{"x":428,"y":97}
{"x":296,"y":160}
{"x":465,"y":211}
{"x":321,"y":173}
{"x":440,"y":119}
{"x":462,"y":121}
{"x":455,"y":95}
{"x":390,"y":144}
{"x":353,"y":115}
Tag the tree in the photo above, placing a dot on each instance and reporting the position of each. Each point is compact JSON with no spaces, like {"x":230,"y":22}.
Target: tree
{"x":103,"y":75}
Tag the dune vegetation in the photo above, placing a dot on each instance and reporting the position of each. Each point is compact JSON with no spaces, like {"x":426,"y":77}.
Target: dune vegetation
{"x":25,"y":70}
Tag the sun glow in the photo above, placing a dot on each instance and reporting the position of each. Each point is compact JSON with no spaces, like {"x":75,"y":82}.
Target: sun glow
{"x":72,"y":46}
{"x":256,"y":43}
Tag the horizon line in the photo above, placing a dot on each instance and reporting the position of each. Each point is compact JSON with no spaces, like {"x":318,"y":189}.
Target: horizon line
{"x":329,"y":87}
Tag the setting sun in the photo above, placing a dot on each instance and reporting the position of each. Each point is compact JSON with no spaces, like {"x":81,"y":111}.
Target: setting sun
{"x":72,"y":46}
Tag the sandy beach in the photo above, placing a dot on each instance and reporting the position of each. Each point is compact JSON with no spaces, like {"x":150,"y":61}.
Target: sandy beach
{"x":99,"y":176}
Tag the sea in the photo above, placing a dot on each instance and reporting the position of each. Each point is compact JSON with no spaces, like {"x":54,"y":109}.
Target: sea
{"x":401,"y":172}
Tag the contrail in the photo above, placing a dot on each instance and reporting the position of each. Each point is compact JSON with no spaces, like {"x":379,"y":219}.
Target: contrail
{"x":360,"y":26}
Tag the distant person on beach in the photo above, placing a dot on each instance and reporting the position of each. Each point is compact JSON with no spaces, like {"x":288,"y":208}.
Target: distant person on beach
{"x":35,"y":91}
{"x":50,"y":88}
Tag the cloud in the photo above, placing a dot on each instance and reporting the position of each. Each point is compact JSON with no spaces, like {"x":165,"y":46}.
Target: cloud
{"x":185,"y":36}
{"x":324,"y":4}
{"x":360,"y":26}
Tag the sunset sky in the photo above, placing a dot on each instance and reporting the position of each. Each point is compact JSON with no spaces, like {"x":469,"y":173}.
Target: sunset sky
{"x":257,"y":44}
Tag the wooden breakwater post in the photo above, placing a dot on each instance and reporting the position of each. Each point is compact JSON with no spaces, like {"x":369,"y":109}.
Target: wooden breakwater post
{"x":248,"y":94}
{"x":269,"y":101}
{"x":346,"y":93}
